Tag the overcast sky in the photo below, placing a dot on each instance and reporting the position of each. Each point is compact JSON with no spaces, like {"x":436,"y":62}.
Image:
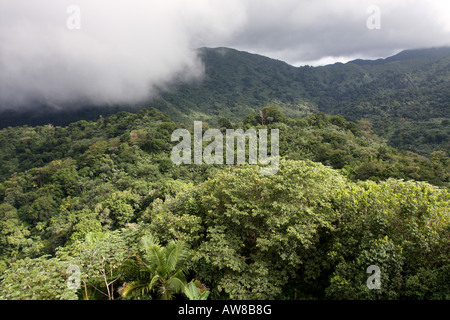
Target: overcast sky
{"x":121,"y":51}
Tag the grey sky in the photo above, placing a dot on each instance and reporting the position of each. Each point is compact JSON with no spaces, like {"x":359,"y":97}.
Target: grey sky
{"x":126,"y":50}
{"x":311,"y":31}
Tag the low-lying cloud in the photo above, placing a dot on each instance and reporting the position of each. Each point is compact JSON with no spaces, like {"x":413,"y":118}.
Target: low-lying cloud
{"x":315,"y":31}
{"x":128,"y":50}
{"x":122,"y":52}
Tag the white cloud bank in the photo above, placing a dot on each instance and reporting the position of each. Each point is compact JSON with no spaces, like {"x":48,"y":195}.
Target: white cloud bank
{"x":125,"y":50}
{"x":122,"y":52}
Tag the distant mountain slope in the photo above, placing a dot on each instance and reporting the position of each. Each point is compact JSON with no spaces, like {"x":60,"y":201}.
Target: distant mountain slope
{"x":429,"y":53}
{"x":237,"y":83}
{"x":406,"y":96}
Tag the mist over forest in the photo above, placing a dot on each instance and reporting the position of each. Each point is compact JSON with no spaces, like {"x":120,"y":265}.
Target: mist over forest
{"x":348,"y":102}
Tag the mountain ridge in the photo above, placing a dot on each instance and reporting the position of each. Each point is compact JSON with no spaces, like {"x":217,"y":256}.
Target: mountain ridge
{"x":405,"y":96}
{"x":434,"y":52}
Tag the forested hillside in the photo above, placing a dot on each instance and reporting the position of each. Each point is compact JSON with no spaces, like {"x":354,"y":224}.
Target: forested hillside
{"x":406,"y":97}
{"x":104,"y":198}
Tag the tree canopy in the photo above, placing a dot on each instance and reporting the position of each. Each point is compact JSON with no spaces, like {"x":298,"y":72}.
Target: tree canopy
{"x":101,"y":206}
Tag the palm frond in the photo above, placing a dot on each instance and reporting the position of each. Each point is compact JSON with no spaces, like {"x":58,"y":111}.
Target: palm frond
{"x":172,"y":255}
{"x":154,"y":280}
{"x":158,"y":267}
{"x":176,"y":284}
{"x":155,"y":257}
{"x":135,"y":288}
{"x":135,"y":267}
{"x":181,"y":255}
{"x":148,"y":241}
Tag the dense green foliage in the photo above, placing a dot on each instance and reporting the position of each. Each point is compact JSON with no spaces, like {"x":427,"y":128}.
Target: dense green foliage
{"x":157,"y":268}
{"x":308,"y":232}
{"x":104,"y":197}
{"x":405,"y":96}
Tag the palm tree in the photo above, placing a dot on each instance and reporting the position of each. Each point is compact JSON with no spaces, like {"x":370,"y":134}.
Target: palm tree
{"x":158,"y":269}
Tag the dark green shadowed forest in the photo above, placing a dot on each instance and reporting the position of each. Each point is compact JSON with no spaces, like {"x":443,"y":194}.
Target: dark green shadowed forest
{"x":97,"y":210}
